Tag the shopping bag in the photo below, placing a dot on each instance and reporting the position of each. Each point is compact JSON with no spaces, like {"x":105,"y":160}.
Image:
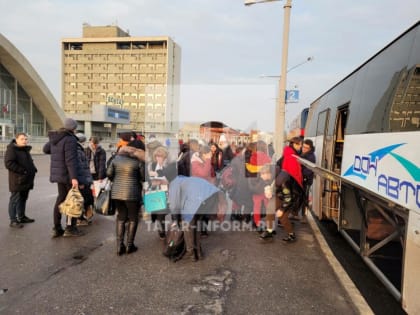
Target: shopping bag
{"x":155,"y":200}
{"x":97,"y":186}
{"x":103,"y":203}
{"x":72,"y":206}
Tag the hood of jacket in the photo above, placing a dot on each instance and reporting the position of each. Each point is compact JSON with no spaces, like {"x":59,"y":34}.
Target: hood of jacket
{"x":56,"y":136}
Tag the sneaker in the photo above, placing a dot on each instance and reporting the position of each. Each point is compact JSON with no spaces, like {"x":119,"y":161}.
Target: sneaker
{"x":16,"y":225}
{"x":25,"y":219}
{"x":72,"y":231}
{"x":290,"y":238}
{"x":57,"y":232}
{"x":260,"y":230}
{"x":266,"y":236}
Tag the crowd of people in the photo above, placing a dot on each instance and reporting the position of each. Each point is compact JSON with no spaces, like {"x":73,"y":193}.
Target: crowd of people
{"x":260,"y":189}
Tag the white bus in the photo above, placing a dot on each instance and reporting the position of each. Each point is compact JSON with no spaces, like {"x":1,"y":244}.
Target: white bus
{"x":366,"y":131}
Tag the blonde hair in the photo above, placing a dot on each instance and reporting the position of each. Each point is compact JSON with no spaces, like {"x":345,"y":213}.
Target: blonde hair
{"x":162,"y":151}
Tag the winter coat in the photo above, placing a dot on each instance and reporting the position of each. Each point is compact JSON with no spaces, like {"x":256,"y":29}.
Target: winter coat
{"x":62,"y":146}
{"x":217,"y":161}
{"x":240,"y":193}
{"x":227,"y":155}
{"x":184,"y":163}
{"x":291,"y":165}
{"x":186,"y":195}
{"x":99,"y":160}
{"x":84,"y":177}
{"x":126,"y":171}
{"x":20,"y":164}
{"x":308,"y":175}
{"x":169,"y":170}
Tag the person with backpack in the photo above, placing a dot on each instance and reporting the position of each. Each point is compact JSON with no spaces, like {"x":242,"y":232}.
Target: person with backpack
{"x":191,"y":198}
{"x":287,"y":194}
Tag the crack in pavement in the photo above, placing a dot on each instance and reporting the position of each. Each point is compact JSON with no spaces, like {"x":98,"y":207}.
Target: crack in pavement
{"x":214,"y":288}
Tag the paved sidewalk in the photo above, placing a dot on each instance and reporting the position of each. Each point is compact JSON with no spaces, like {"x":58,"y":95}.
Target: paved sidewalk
{"x":239,"y":275}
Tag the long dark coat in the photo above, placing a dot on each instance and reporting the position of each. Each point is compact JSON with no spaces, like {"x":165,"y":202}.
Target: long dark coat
{"x":64,"y":156}
{"x":19,"y":162}
{"x":99,"y":159}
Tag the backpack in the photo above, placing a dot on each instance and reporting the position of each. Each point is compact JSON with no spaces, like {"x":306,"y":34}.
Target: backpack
{"x":174,"y":246}
{"x":291,"y":196}
{"x":227,"y":180}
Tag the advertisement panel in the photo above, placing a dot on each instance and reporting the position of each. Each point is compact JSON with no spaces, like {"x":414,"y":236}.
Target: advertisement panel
{"x":387,"y":164}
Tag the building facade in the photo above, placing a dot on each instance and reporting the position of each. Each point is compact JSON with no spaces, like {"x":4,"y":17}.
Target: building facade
{"x":138,"y":74}
{"x":26,"y":104}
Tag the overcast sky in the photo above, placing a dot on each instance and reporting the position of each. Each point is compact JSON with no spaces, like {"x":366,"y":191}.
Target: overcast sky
{"x":226,"y":46}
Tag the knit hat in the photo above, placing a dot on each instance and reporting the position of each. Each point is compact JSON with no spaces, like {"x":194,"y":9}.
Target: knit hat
{"x":70,"y":124}
{"x":257,"y":161}
{"x":81,"y":137}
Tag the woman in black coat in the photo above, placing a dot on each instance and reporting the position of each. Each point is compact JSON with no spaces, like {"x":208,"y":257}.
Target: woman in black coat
{"x":126,"y":171}
{"x":18,"y":161}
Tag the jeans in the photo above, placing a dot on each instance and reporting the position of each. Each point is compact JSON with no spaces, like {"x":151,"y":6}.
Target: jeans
{"x":17,"y":204}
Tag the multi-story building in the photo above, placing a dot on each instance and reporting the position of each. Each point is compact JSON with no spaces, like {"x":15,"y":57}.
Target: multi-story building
{"x":138,"y":74}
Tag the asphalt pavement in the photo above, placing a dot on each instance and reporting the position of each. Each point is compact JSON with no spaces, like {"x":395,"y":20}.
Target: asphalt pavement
{"x":238,"y":275}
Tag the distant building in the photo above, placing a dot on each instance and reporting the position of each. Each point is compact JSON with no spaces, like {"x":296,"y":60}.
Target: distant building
{"x":189,"y":131}
{"x":26,"y":104}
{"x":140,"y":75}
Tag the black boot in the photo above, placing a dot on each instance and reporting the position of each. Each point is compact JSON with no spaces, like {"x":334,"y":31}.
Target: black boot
{"x":120,"y":237}
{"x":131,"y":234}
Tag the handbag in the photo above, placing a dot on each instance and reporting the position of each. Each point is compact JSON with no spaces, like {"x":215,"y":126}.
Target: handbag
{"x":72,"y":206}
{"x":103,"y":204}
{"x":155,"y":200}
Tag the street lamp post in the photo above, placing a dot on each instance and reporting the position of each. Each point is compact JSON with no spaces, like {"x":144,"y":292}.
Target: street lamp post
{"x":281,"y":100}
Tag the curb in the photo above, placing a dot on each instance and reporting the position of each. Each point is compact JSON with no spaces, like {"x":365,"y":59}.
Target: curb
{"x":358,"y":300}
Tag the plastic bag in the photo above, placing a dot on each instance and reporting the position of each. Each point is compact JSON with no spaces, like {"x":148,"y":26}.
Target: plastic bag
{"x":155,"y":200}
{"x":103,"y":204}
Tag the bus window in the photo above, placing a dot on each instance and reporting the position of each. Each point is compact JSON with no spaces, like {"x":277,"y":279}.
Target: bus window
{"x":405,"y":110}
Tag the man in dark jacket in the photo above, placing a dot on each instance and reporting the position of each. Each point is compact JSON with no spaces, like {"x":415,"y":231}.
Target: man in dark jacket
{"x":18,"y":161}
{"x":64,"y":170}
{"x":308,"y":153}
{"x":96,"y":157}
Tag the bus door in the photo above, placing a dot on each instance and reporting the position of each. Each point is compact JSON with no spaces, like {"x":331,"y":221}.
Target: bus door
{"x":320,"y":144}
{"x":338,"y":146}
